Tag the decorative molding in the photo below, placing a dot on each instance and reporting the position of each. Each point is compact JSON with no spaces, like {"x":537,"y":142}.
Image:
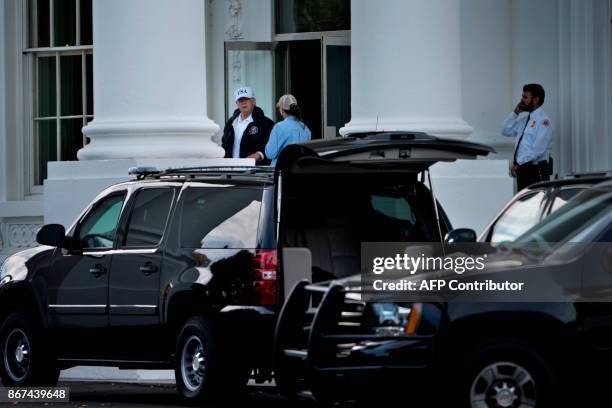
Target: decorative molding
{"x":237,"y":61}
{"x":18,"y":233}
{"x":234,"y":24}
{"x":21,"y":236}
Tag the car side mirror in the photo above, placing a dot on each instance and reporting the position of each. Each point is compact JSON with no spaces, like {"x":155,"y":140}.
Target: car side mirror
{"x":52,"y":235}
{"x":460,"y":235}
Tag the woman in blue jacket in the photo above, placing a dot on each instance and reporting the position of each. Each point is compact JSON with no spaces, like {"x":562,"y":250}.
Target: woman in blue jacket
{"x":290,"y":130}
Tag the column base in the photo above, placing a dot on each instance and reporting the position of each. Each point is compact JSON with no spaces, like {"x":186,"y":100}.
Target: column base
{"x":456,"y":129}
{"x":152,"y":139}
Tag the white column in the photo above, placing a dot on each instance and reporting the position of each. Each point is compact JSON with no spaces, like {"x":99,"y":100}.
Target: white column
{"x":406,"y":75}
{"x":406,"y":67}
{"x":149,"y":81}
{"x":584,"y":126}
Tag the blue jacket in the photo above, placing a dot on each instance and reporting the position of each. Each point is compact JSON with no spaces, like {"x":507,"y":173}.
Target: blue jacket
{"x":283,"y":133}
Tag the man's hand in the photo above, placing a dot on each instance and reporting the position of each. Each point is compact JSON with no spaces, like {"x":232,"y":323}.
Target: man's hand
{"x":513,"y":170}
{"x":519,"y":107}
{"x":256,"y":156}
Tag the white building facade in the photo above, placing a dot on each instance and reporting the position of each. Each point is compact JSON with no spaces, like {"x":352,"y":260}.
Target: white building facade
{"x":89,"y":88}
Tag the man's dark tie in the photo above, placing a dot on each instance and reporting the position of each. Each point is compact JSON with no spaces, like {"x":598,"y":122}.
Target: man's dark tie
{"x":521,"y":138}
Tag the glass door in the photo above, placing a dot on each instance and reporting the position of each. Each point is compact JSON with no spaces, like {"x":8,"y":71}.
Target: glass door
{"x":336,"y":78}
{"x":315,"y":67}
{"x":250,"y":64}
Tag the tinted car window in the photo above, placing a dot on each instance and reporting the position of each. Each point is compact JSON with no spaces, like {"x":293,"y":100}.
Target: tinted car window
{"x":148,"y":218}
{"x":563,"y":196}
{"x":99,"y":227}
{"x":267,"y":222}
{"x":577,"y":215}
{"x":518,"y":218}
{"x":220,"y":217}
{"x":395,"y":219}
{"x":393,"y":207}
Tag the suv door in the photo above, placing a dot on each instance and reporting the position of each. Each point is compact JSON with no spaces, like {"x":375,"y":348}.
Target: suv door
{"x":136,"y":268}
{"x":78,"y":279}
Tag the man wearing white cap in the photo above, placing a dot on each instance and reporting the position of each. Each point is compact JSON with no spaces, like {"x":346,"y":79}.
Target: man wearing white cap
{"x":248,"y":130}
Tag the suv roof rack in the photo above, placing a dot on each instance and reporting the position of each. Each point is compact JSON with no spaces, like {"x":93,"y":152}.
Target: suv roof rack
{"x":151,"y":172}
{"x":220,"y":169}
{"x":142,"y":171}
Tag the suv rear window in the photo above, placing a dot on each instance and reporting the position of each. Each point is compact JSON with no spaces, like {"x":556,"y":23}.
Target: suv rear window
{"x":220,"y":217}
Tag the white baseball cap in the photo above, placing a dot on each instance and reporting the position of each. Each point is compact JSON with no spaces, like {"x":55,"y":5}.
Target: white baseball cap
{"x":243,"y":92}
{"x":285,"y":102}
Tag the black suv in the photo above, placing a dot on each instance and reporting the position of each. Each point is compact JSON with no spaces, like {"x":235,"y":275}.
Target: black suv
{"x":468,"y":350}
{"x":187,"y":268}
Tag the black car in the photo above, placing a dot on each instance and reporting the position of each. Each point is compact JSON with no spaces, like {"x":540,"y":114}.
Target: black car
{"x":458,"y":352}
{"x":534,"y":203}
{"x":185,"y":268}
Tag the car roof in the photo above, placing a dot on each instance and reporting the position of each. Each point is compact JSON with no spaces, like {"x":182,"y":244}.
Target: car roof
{"x":605,"y":185}
{"x":590,"y":178}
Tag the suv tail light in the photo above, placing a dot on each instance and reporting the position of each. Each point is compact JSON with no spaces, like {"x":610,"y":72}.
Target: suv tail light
{"x":264,"y":277}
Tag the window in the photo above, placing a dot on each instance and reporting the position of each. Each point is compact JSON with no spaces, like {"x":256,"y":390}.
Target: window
{"x":563,"y":196}
{"x":61,"y":54}
{"x":394,"y":219}
{"x":253,"y":67}
{"x":566,"y":224}
{"x":518,"y":218}
{"x":220,"y":218}
{"x":395,"y":207}
{"x":300,"y":16}
{"x":97,"y":231}
{"x":148,"y":218}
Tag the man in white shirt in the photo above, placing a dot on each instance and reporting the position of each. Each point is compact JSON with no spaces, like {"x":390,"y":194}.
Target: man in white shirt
{"x":532,"y":129}
{"x":248,"y":130}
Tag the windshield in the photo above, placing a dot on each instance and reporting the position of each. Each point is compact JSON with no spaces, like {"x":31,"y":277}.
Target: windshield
{"x":569,"y":221}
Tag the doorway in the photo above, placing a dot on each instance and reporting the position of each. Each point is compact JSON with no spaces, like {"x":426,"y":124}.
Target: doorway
{"x":314,"y":67}
{"x":318,"y":73}
{"x":303,"y":80}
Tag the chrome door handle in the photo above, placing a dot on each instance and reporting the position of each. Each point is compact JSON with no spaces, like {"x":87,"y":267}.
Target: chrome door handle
{"x":98,"y":270}
{"x":148,"y":268}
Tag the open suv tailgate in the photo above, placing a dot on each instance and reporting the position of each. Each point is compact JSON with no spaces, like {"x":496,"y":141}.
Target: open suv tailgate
{"x":389,"y":148}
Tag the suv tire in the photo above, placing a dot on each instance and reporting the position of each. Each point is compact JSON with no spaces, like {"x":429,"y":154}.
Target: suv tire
{"x":507,"y":372}
{"x":197,"y":365}
{"x":25,"y":361}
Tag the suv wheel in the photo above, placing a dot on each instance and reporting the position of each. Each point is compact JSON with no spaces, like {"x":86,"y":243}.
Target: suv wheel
{"x":196,"y":364}
{"x":25,"y":362}
{"x":508,"y":375}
